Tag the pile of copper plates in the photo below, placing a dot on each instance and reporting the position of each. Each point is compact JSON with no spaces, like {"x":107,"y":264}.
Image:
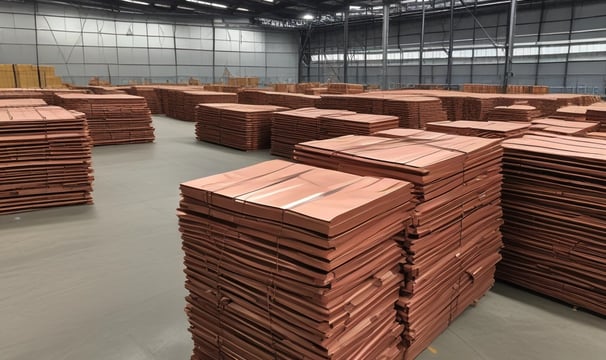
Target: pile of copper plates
{"x":288,"y":261}
{"x":564,"y":127}
{"x":452,"y":246}
{"x":354,"y":124}
{"x":555,"y":218}
{"x":597,"y":113}
{"x":170,"y":95}
{"x":262,"y":97}
{"x":182,"y":104}
{"x":415,"y":111}
{"x":150,"y":95}
{"x":45,"y":159}
{"x":295,"y":126}
{"x":571,"y":113}
{"x":241,"y":126}
{"x":485,"y":129}
{"x":47,"y":95}
{"x":478,"y":106}
{"x":21,"y":102}
{"x":112,"y":119}
{"x":345,"y":88}
{"x":597,"y":135}
{"x":523,"y":113}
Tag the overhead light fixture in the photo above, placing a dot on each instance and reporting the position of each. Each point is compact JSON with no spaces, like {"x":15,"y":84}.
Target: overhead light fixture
{"x":242,"y":9}
{"x":308,"y":17}
{"x":207,"y":3}
{"x":354,"y":7}
{"x":269,"y":1}
{"x":162,"y":5}
{"x":136,"y":2}
{"x":185,"y":8}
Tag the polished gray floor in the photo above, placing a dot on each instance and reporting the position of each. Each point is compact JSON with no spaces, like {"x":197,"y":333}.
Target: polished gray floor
{"x":106,"y":282}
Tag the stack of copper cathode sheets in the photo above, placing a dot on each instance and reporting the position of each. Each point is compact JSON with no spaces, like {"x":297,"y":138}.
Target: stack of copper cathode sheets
{"x":288,"y":261}
{"x":523,"y":113}
{"x":45,"y":159}
{"x":292,"y":101}
{"x":555,"y":218}
{"x":564,"y":127}
{"x":241,"y":126}
{"x":295,"y":126}
{"x":571,"y":113}
{"x":21,"y":102}
{"x":112,"y":119}
{"x":415,"y":111}
{"x":355,"y":124}
{"x":597,"y":113}
{"x":453,"y":243}
{"x":150,"y":95}
{"x":485,"y":129}
{"x":183,"y":104}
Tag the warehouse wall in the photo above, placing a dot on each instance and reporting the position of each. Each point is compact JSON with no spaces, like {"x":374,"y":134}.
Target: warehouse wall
{"x":561,"y":44}
{"x":82,"y":43}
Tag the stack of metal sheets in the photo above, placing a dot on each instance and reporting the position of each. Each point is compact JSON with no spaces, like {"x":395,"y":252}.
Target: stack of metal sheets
{"x":288,"y":261}
{"x":45,"y":159}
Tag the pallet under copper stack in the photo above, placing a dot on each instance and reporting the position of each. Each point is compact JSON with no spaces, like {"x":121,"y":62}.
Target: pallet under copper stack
{"x":484,"y":129}
{"x":112,"y":119}
{"x":453,"y":243}
{"x":415,"y":111}
{"x":45,"y":159}
{"x":241,"y":126}
{"x":555,"y":218}
{"x":288,"y":261}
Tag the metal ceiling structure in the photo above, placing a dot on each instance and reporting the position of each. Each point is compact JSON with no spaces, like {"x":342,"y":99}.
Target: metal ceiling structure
{"x":277,"y":13}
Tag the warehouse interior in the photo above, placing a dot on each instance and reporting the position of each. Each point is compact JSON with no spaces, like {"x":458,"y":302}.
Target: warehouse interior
{"x":143,"y":214}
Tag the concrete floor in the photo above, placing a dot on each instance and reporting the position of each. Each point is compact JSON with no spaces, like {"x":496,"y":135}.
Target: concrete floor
{"x":106,"y":282}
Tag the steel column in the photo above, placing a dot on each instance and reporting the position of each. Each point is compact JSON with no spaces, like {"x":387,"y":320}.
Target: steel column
{"x":510,"y":44}
{"x":450,"y":46}
{"x":385,"y":37}
{"x":422,"y":43}
{"x":345,"y":41}
{"x":572,"y":15}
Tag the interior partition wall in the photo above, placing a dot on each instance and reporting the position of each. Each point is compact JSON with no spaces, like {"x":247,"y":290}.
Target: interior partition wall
{"x":123,"y":47}
{"x":558,"y":43}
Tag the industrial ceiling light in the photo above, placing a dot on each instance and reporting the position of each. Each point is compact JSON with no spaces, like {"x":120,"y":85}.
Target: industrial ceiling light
{"x":242,"y":9}
{"x":136,"y":2}
{"x":308,"y":17}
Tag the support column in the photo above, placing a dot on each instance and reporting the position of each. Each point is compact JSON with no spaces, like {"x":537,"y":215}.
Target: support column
{"x":422,"y":43}
{"x":450,"y":46}
{"x":385,"y":82}
{"x":570,"y":28}
{"x":510,"y":44}
{"x":345,"y":42}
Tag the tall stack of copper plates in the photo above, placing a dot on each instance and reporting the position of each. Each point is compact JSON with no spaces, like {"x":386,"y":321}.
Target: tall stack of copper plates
{"x":20,"y":94}
{"x":241,"y":126}
{"x":564,"y":127}
{"x":21,"y":102}
{"x":182,"y":104}
{"x":150,"y":95}
{"x":597,"y":113}
{"x":513,"y":113}
{"x":112,"y":119}
{"x":484,"y":129}
{"x":555,"y":218}
{"x":169,"y":94}
{"x":415,"y":111}
{"x":45,"y":159}
{"x":288,"y":261}
{"x":295,"y":126}
{"x":262,"y":97}
{"x":478,"y":106}
{"x":453,"y":243}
